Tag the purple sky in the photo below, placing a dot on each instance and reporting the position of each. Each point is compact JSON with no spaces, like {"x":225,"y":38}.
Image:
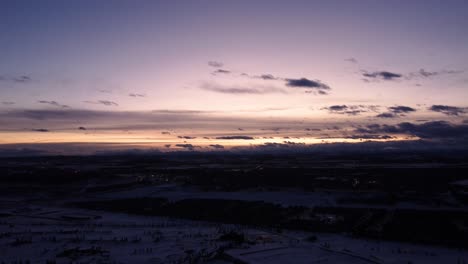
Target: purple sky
{"x":157,"y":73}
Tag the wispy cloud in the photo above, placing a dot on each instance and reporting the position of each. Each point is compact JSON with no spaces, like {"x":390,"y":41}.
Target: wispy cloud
{"x":221,"y":71}
{"x":239,"y":89}
{"x":352,"y":60}
{"x":389,"y":76}
{"x":215,"y":64}
{"x":317,"y":85}
{"x":136,"y":95}
{"x":107,"y":91}
{"x":102,"y":102}
{"x":53,"y":103}
{"x":16,"y":79}
{"x":422,"y":73}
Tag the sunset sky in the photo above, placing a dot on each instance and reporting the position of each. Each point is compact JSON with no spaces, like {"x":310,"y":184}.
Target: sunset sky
{"x":86,"y":76}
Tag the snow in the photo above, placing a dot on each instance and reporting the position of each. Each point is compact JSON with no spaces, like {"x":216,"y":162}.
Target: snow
{"x":39,"y":234}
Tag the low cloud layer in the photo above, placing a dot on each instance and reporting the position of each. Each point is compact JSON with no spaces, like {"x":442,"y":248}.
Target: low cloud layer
{"x":216,"y":146}
{"x":186,"y":146}
{"x":236,"y":137}
{"x":428,"y":130}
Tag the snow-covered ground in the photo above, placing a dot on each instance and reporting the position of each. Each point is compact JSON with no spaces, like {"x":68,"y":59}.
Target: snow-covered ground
{"x":35,"y":234}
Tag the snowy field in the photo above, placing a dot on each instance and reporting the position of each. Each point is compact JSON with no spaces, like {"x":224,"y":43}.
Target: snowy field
{"x":36,"y":234}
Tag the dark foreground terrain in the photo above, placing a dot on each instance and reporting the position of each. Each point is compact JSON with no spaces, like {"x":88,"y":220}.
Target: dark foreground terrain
{"x":235,"y":208}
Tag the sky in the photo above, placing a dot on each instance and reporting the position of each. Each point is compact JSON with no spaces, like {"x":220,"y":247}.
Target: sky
{"x":215,"y":75}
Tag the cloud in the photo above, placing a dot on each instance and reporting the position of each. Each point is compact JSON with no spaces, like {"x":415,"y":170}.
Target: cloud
{"x":369,"y":136}
{"x":351,"y":109}
{"x":16,"y":79}
{"x":103,"y":102}
{"x":289,"y":82}
{"x":215,"y":64}
{"x":236,"y":137}
{"x":428,"y":130}
{"x":422,"y":73}
{"x":105,"y":91}
{"x":186,"y":137}
{"x":401,"y":109}
{"x":155,"y":119}
{"x":217,"y":146}
{"x":396,"y":111}
{"x":448,"y":110}
{"x":386,"y":115}
{"x":352,"y":60}
{"x":425,"y":73}
{"x":53,"y":103}
{"x":8,"y":103}
{"x":268,"y":77}
{"x":40,"y":130}
{"x":221,"y":71}
{"x":321,"y":92}
{"x":136,"y":95}
{"x":337,"y":108}
{"x":382,"y":75}
{"x":186,"y":146}
{"x":306,"y":83}
{"x":167,"y":111}
{"x":240,"y":90}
